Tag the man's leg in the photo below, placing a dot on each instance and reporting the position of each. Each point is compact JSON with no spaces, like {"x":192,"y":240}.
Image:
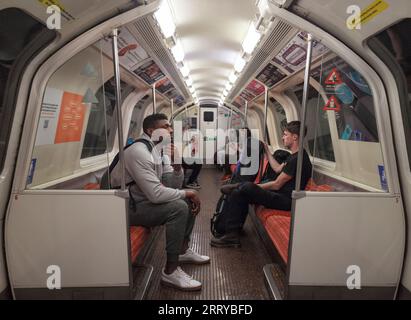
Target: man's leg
{"x":269,"y":199}
{"x":175,"y":215}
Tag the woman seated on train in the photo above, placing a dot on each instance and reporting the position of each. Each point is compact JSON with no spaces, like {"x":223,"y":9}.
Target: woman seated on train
{"x":275,"y":194}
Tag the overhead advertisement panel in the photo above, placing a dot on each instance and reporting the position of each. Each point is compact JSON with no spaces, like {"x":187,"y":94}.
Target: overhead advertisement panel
{"x":270,"y":75}
{"x":164,"y":85}
{"x":150,"y":72}
{"x":293,"y":56}
{"x":129,"y":51}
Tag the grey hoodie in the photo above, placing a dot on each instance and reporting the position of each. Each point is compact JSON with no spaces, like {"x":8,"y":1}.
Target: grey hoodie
{"x":146,"y":170}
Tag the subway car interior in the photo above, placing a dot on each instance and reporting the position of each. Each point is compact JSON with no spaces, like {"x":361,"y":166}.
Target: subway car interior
{"x":79,"y":77}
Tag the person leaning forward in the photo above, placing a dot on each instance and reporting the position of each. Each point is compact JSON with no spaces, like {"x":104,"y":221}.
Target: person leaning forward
{"x":156,"y":204}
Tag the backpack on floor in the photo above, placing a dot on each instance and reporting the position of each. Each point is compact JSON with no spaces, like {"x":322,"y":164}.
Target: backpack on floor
{"x":219,"y":219}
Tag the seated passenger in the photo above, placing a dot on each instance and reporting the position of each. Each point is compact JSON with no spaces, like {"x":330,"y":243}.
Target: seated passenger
{"x":191,"y":151}
{"x":156,"y":204}
{"x":274,"y":194}
{"x":250,"y":156}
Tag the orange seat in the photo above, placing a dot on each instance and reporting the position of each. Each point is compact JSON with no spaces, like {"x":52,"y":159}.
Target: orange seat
{"x":278,"y":229}
{"x":138,"y":236}
{"x":277,"y":222}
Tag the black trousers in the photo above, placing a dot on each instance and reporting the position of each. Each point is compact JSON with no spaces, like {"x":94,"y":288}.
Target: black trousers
{"x":195,"y":173}
{"x":250,"y":193}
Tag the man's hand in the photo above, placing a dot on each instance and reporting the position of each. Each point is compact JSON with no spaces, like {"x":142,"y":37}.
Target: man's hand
{"x":194,"y":200}
{"x":172,"y":151}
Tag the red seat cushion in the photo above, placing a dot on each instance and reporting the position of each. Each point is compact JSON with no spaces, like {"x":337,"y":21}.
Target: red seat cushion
{"x":263,"y":213}
{"x":278,"y":229}
{"x":138,"y":235}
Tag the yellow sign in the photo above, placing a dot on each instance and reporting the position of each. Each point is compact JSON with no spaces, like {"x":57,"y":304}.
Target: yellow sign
{"x":369,"y":13}
{"x":48,"y":3}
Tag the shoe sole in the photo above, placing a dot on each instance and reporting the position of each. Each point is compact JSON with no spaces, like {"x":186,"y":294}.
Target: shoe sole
{"x":194,"y":262}
{"x":172,"y":285}
{"x":225,"y":245}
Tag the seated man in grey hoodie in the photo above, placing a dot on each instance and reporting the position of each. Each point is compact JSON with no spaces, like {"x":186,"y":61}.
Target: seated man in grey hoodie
{"x":157,"y":204}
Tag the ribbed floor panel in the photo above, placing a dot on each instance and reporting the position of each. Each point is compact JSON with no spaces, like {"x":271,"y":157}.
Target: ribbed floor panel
{"x":232,"y":273}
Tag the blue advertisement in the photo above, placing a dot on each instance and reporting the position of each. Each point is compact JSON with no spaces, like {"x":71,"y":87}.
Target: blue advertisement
{"x":383,"y":178}
{"x":31,"y":171}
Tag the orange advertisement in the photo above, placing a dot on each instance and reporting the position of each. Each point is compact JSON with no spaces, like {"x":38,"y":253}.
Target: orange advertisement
{"x":70,"y":123}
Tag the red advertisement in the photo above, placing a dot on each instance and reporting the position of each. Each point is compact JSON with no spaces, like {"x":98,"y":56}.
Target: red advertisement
{"x":71,"y":118}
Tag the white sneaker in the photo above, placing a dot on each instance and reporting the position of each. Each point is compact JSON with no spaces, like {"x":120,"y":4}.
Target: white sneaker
{"x":192,"y":186}
{"x":192,"y":257}
{"x":180,"y":280}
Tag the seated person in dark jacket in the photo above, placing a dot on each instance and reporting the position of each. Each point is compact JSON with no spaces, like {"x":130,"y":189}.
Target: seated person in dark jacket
{"x":274,"y":194}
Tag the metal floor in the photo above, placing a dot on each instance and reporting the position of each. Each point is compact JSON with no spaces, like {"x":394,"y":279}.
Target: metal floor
{"x":232,"y":273}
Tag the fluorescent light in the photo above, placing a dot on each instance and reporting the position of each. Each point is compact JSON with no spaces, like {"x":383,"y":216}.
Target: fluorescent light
{"x":178,"y":52}
{"x":233,"y":77}
{"x":225,"y":93}
{"x":192,"y":90}
{"x":251,"y":40}
{"x":239,"y":65}
{"x":184,"y":71}
{"x":229,"y":86}
{"x":189,"y":82}
{"x":165,"y":20}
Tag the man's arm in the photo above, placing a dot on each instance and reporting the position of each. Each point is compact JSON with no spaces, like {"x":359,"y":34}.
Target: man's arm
{"x":273,"y":163}
{"x":278,"y":183}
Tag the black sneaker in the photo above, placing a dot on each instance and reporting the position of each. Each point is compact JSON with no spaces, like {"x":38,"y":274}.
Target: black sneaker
{"x":230,"y":240}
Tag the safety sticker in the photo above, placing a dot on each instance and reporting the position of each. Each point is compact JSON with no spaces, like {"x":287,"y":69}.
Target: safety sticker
{"x":64,"y":13}
{"x":370,"y":12}
{"x":332,"y":104}
{"x":333,"y":78}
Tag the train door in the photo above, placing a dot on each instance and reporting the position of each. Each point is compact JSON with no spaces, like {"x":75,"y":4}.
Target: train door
{"x":22,"y":39}
{"x":208,"y":128}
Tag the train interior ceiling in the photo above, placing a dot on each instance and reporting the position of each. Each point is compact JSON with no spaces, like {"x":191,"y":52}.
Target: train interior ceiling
{"x":213,"y":65}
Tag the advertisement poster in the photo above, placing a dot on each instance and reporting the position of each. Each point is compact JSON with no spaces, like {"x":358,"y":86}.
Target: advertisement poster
{"x":70,"y":123}
{"x":164,"y":85}
{"x":255,"y":88}
{"x":50,"y":111}
{"x":172,"y":94}
{"x":292,"y":57}
{"x":179,"y":101}
{"x":129,"y":51}
{"x":239,"y":103}
{"x":270,"y":75}
{"x":247,"y":95}
{"x":150,"y":72}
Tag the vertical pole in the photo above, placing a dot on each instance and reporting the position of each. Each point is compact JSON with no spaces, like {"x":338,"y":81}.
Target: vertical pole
{"x":172,"y":112}
{"x":246,"y":112}
{"x":265,"y":112}
{"x":118,"y":108}
{"x":154,"y":98}
{"x":231,"y":119}
{"x":304,"y":110}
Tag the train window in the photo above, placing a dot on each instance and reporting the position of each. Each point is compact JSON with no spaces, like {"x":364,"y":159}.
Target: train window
{"x":208,"y":116}
{"x":318,"y":126}
{"x":102,"y":116}
{"x":135,"y":129}
{"x":279,"y":118}
{"x":341,"y":115}
{"x":18,"y":31}
{"x":393,"y":46}
{"x":349,"y":95}
{"x":76,"y":111}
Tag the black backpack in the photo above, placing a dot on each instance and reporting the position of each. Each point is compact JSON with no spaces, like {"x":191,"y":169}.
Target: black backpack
{"x":105,"y":183}
{"x":219,"y":220}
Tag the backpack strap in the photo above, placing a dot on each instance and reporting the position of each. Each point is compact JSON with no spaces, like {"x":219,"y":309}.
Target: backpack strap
{"x":149,"y":146}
